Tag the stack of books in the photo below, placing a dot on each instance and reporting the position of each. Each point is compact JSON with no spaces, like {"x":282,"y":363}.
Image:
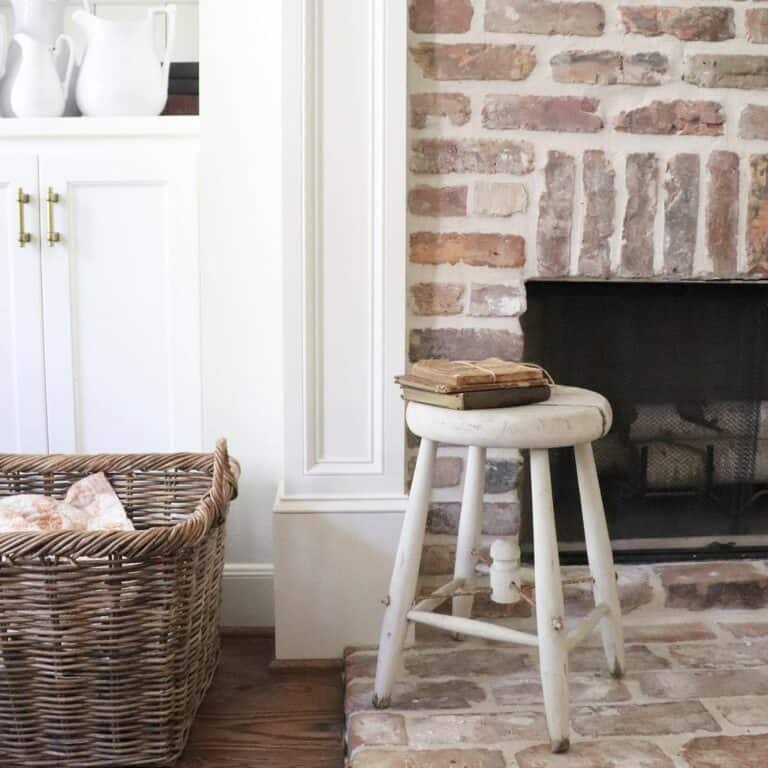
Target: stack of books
{"x":473,"y":385}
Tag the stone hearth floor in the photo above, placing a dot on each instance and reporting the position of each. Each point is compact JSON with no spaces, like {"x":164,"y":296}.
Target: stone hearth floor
{"x":695,"y":694}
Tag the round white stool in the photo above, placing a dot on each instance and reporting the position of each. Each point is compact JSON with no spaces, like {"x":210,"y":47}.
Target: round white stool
{"x":570,"y":418}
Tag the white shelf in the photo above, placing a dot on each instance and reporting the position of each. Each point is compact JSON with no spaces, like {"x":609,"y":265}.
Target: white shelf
{"x":89,"y":127}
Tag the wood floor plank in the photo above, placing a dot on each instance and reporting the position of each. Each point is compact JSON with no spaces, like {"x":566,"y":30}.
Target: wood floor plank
{"x":257,"y":718}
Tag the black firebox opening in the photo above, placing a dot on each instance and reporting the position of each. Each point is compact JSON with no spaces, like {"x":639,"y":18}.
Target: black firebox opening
{"x":684,"y":471}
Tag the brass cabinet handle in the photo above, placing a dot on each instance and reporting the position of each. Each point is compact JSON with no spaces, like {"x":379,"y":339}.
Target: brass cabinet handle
{"x":22,"y":199}
{"x":51,"y":198}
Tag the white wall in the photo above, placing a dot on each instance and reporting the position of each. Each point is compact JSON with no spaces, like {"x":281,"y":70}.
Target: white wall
{"x":241,"y":218}
{"x":186,"y":45}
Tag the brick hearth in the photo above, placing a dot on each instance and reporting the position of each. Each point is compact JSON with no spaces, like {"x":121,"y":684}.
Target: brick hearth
{"x":694,"y":696}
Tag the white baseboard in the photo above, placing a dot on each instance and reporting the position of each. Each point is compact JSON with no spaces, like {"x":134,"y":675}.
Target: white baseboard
{"x":248,"y":595}
{"x":333,"y":560}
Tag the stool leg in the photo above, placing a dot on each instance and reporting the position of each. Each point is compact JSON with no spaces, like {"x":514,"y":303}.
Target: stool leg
{"x":600,"y":557}
{"x":470,"y":524}
{"x":550,"y":610}
{"x":402,"y":587}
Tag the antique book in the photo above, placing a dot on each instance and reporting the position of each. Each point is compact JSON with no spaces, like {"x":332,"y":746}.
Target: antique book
{"x":479,"y":399}
{"x":449,"y":376}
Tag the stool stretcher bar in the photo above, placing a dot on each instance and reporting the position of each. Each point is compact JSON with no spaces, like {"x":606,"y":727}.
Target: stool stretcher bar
{"x":473,"y":628}
{"x":439,"y":596}
{"x":580,"y":633}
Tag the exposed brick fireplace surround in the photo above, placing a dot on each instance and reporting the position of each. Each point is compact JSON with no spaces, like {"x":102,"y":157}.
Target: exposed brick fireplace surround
{"x":603,"y":141}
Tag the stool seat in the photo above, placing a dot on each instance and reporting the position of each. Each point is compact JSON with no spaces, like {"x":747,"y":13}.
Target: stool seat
{"x":572,"y":416}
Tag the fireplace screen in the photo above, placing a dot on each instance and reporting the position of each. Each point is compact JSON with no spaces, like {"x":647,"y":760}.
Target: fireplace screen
{"x":685,"y":366}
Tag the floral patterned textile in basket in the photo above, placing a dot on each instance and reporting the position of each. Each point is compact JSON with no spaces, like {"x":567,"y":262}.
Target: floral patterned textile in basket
{"x":91,"y":504}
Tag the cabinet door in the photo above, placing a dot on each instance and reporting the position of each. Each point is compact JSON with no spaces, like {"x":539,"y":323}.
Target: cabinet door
{"x":120,"y":300}
{"x":22,"y":375}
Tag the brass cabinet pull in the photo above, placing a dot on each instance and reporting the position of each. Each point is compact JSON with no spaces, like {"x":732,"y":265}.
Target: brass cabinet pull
{"x":51,"y":198}
{"x":22,"y":199}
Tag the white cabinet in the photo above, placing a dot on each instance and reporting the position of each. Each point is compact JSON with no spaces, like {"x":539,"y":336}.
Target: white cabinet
{"x":99,"y":312}
{"x":23,"y":426}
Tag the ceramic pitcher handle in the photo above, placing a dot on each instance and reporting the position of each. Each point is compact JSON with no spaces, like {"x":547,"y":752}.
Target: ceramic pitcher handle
{"x":170,"y":38}
{"x":70,"y":62}
{"x":3,"y":45}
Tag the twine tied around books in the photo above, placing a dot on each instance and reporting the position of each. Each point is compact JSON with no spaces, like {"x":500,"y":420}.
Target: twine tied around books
{"x":482,"y":369}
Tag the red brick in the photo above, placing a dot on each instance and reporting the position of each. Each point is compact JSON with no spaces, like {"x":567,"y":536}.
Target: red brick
{"x":471,"y":156}
{"x":667,"y":633}
{"x":743,"y":751}
{"x":634,"y":586}
{"x":643,"y":719}
{"x":699,"y":586}
{"x":417,"y":694}
{"x":600,"y":198}
{"x":609,"y":67}
{"x":375,"y":730}
{"x":475,"y":249}
{"x":757,"y":215}
{"x":710,"y":24}
{"x":639,"y":216}
{"x":703,"y":683}
{"x":474,"y":61}
{"x":544,"y":17}
{"x":712,"y":70}
{"x":723,"y":211}
{"x":454,"y":106}
{"x":438,"y":201}
{"x":721,"y":655}
{"x":597,"y":754}
{"x":681,"y":213}
{"x":747,"y":629}
{"x":500,"y":198}
{"x":747,"y":712}
{"x":437,"y":298}
{"x":440,"y":15}
{"x":447,"y":472}
{"x":757,"y":25}
{"x":437,"y":560}
{"x":585,"y":689}
{"x":684,"y":118}
{"x":542,"y":113}
{"x":495,"y":301}
{"x":591,"y":660}
{"x":481,"y":728}
{"x":753,"y":123}
{"x":556,"y":215}
{"x":470,"y":662}
{"x":465,"y":344}
{"x":430,"y":758}
{"x":499,"y":519}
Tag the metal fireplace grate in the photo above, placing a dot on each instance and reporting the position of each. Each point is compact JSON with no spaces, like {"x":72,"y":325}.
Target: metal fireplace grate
{"x":685,"y":366}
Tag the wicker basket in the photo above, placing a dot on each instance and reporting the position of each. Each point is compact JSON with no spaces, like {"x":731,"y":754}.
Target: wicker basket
{"x":109,"y":640}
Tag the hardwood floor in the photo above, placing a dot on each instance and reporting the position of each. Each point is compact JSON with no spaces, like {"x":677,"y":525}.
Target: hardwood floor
{"x":255,"y":717}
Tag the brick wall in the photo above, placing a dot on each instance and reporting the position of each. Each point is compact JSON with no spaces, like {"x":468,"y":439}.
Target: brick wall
{"x":598,"y":139}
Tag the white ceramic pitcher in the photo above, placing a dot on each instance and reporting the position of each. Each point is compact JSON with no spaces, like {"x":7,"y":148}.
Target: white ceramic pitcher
{"x":120,"y":73}
{"x":37,"y":90}
{"x":42,"y":19}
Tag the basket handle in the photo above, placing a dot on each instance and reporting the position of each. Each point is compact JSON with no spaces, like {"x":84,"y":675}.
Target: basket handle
{"x":226,"y":474}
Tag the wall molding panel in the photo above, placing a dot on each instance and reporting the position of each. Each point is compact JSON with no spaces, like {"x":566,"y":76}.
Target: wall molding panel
{"x":345,"y":246}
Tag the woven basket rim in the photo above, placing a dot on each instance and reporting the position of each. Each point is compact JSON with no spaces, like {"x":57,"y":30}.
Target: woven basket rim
{"x":209,"y":512}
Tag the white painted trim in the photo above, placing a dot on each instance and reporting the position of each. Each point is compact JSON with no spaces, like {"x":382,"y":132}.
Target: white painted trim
{"x":331,"y":577}
{"x":248,"y":595}
{"x":291,"y":505}
{"x":375,"y":458}
{"x":171,"y":126}
{"x":249,"y":571}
